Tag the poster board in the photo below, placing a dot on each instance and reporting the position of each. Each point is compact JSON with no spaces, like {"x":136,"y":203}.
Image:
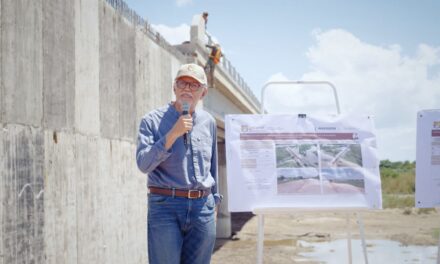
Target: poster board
{"x":276,"y":161}
{"x":428,"y":159}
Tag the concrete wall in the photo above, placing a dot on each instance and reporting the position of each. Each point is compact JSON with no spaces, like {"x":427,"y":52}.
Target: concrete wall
{"x":22,"y":79}
{"x":21,"y":193}
{"x":58,"y":28}
{"x":75,"y":79}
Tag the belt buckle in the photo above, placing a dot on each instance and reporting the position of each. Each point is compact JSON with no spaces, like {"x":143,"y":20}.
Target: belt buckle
{"x":198,"y":192}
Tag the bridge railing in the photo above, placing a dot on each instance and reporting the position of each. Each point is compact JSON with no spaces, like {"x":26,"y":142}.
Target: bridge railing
{"x":122,"y":8}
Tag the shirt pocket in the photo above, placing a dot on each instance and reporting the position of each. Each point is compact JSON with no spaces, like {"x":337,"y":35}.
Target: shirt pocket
{"x":204,"y":146}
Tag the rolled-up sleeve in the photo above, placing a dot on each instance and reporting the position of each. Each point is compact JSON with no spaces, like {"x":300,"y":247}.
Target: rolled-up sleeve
{"x":149,"y":153}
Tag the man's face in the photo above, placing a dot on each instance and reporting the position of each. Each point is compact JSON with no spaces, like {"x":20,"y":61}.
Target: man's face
{"x":189,"y":89}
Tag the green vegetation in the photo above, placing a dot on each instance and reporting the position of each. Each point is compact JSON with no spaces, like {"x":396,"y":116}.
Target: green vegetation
{"x":436,"y":233}
{"x":397,"y":177}
{"x":398,"y":183}
{"x":397,"y":201}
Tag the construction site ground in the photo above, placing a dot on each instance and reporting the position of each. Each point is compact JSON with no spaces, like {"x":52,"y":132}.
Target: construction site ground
{"x":284,"y":233}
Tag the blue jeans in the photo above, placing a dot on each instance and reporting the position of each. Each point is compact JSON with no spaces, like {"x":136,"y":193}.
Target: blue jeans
{"x":180,"y":230}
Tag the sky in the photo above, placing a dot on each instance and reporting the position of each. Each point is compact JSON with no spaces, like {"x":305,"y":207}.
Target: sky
{"x":382,"y":56}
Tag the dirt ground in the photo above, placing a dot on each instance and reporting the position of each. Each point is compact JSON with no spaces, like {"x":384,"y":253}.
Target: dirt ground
{"x":282,"y":232}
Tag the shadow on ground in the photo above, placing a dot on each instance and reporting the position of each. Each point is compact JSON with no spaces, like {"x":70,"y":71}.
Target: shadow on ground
{"x":238,"y":220}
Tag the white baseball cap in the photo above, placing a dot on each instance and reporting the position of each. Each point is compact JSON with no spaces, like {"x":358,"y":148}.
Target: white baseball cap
{"x":194,"y":71}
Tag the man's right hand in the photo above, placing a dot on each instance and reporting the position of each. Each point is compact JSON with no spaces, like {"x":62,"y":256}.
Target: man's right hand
{"x":182,"y":126}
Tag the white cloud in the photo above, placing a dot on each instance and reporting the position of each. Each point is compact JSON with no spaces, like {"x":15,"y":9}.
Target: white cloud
{"x":278,"y":77}
{"x":183,"y":2}
{"x":375,"y":80}
{"x":175,"y":35}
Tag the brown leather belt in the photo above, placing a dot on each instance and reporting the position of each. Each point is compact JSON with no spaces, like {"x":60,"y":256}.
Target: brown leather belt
{"x":190,"y":194}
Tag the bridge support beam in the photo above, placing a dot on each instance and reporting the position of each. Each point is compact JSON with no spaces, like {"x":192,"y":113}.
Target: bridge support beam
{"x":223,"y":216}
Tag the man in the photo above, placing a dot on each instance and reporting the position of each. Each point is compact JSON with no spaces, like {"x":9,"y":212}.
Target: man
{"x":214,"y":59}
{"x":179,"y":153}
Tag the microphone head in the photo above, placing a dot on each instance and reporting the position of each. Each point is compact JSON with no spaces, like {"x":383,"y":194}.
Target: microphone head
{"x":185,"y":108}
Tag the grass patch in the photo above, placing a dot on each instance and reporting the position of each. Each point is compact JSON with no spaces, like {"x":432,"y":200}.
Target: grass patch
{"x":425,"y":210}
{"x":398,"y":184}
{"x":397,"y":201}
{"x":403,"y":183}
{"x":436,"y":233}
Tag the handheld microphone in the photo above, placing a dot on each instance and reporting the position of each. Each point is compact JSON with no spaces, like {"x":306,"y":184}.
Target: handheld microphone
{"x":185,"y":111}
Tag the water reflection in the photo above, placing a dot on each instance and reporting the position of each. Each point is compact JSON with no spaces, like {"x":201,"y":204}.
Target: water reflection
{"x":379,"y":251}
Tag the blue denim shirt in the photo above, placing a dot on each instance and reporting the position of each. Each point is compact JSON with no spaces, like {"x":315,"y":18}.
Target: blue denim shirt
{"x":183,"y":168}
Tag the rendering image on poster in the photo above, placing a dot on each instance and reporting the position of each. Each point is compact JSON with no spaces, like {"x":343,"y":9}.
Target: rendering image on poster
{"x":297,"y":156}
{"x":342,"y":166}
{"x":298,"y":170}
{"x":297,"y":166}
{"x":343,"y":180}
{"x":341,"y":155}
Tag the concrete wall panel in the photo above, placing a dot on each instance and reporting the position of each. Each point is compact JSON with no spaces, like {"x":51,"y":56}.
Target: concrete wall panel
{"x":174,"y":67}
{"x":108,"y":71}
{"x":154,"y":97}
{"x":87,"y":67}
{"x":117,"y":75}
{"x":165,"y":85}
{"x":109,"y":200}
{"x":143,"y":87}
{"x":2,"y":197}
{"x":1,"y":141}
{"x":125,"y":192}
{"x":90,"y":223}
{"x":22,"y":193}
{"x":59,"y":63}
{"x":155,"y":72}
{"x":21,"y":62}
{"x":60,"y":231}
{"x":1,"y":92}
{"x":2,"y":192}
{"x":127,"y":84}
{"x":159,"y":75}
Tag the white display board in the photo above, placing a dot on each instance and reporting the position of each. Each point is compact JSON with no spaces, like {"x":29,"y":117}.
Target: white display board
{"x":428,"y":159}
{"x":301,"y":161}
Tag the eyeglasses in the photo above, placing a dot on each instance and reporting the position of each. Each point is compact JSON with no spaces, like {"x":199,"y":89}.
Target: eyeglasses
{"x":194,"y":86}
